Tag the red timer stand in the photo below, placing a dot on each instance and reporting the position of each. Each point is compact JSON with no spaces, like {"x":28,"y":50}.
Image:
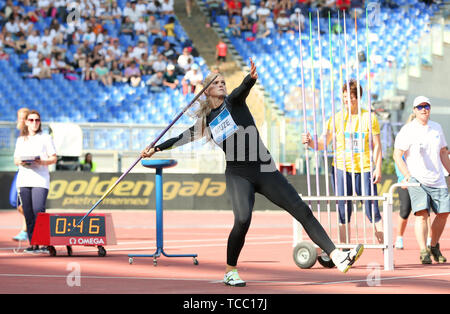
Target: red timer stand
{"x":59,"y":229}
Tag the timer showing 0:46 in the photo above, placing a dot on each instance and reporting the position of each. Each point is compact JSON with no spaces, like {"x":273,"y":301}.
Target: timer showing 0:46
{"x":65,"y":226}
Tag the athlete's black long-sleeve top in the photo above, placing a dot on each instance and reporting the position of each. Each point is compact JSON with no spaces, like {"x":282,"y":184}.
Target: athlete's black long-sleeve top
{"x":232,"y":127}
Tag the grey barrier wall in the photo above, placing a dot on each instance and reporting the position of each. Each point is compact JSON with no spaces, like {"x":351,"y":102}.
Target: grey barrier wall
{"x":80,"y":190}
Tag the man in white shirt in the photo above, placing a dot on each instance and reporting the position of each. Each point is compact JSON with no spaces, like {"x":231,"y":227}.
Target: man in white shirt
{"x":422,"y":143}
{"x":249,"y":10}
{"x":263,"y":11}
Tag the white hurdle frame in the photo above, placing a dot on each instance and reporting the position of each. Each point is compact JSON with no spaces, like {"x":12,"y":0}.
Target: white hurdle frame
{"x":388,"y":201}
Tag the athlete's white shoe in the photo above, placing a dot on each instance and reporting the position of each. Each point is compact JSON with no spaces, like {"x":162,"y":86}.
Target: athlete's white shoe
{"x":345,"y":260}
{"x":232,"y":279}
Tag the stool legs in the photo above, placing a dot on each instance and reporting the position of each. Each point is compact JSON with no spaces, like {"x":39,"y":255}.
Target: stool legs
{"x":160,"y":226}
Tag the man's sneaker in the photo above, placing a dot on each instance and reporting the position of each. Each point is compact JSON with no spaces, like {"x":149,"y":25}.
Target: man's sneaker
{"x":437,"y":255}
{"x":232,"y":279}
{"x":425,"y":257}
{"x":345,"y":260}
{"x":399,"y":243}
{"x":21,"y":236}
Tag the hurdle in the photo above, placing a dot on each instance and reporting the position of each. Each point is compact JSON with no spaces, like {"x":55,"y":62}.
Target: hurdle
{"x":306,"y":258}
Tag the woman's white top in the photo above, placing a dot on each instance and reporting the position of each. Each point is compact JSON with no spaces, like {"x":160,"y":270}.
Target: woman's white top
{"x":34,"y":175}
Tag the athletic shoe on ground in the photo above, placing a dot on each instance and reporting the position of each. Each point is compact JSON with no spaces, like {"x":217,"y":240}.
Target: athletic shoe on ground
{"x":437,"y":255}
{"x":399,"y":243}
{"x":345,"y":260}
{"x":32,"y":249}
{"x":232,"y":279}
{"x":43,"y":249}
{"x":22,"y":236}
{"x":425,"y":257}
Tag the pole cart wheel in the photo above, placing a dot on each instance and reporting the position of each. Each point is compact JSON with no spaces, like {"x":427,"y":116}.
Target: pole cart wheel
{"x":101,"y":251}
{"x":305,"y":255}
{"x":325,"y":260}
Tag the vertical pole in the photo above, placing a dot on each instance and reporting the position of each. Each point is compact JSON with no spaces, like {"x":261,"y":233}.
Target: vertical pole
{"x":305,"y":128}
{"x":388,"y":232}
{"x":296,"y":224}
{"x":159,"y":209}
{"x":324,"y":125}
{"x":344,"y":157}
{"x":349,"y":114}
{"x":369,"y":110}
{"x":333,"y":112}
{"x":360,"y":134}
{"x":315,"y":138}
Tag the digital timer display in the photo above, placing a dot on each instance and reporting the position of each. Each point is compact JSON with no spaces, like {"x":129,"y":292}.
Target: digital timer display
{"x":63,"y":226}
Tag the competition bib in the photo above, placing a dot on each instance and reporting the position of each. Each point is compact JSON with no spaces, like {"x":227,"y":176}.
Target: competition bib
{"x":222,"y":126}
{"x":356,"y":143}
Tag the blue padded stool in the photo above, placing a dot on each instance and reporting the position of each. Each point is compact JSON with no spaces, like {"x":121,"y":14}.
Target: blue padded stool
{"x":159,"y":164}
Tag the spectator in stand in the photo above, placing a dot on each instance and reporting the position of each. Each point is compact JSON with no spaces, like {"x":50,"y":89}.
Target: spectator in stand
{"x":168,"y":52}
{"x":234,"y":7}
{"x":141,"y":29}
{"x":214,"y":9}
{"x":249,"y":10}
{"x":185,"y":60}
{"x":155,"y":82}
{"x":22,"y":45}
{"x":169,"y":27}
{"x":167,"y":7}
{"x":283,"y":22}
{"x":294,"y":20}
{"x":343,"y":4}
{"x":116,"y":72}
{"x":154,"y":7}
{"x":153,"y":25}
{"x":25,"y":67}
{"x":263,"y":11}
{"x":12,"y":26}
{"x":170,"y":78}
{"x":192,"y":79}
{"x":233,"y":28}
{"x":145,"y":65}
{"x":160,"y":64}
{"x":102,"y":73}
{"x":139,"y":50}
{"x":26,"y":27}
{"x":133,"y":74}
{"x":260,"y":28}
{"x":127,"y":27}
{"x":153,"y":56}
{"x":221,"y":52}
{"x":34,"y":38}
{"x":245,"y":25}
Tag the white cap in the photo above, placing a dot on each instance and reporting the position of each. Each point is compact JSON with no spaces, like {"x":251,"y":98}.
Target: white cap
{"x":170,"y":67}
{"x":194,"y":66}
{"x":420,"y":99}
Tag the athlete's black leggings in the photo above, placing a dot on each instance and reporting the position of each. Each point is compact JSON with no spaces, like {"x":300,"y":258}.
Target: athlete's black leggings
{"x":241,"y":187}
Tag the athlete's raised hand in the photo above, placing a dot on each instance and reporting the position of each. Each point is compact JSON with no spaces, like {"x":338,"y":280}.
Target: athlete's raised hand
{"x":253,"y":73}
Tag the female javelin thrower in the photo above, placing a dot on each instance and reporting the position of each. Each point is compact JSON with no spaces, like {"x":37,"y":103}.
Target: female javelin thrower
{"x":227,"y":120}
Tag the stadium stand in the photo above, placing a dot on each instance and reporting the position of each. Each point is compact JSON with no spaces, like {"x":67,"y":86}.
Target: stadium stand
{"x":401,"y":23}
{"x":71,"y":62}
